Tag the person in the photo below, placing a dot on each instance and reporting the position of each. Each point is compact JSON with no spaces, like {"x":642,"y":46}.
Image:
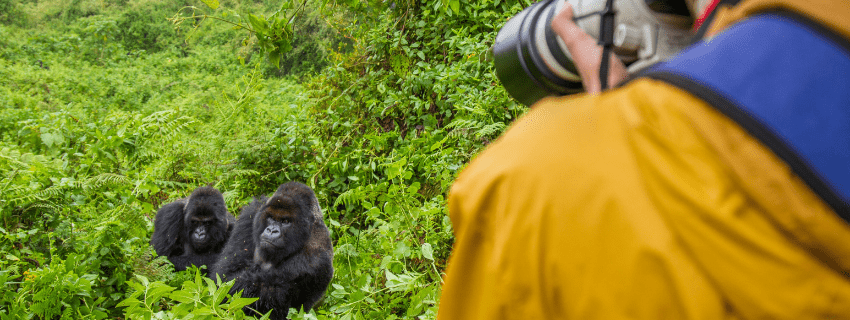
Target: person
{"x":714,"y":185}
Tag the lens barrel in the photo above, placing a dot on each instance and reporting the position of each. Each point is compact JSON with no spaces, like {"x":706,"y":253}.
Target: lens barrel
{"x":531,"y":60}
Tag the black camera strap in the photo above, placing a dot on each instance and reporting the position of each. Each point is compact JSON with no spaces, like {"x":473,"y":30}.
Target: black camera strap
{"x":606,"y":38}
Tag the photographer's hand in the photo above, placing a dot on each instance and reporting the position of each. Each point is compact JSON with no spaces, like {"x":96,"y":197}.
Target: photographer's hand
{"x":586,"y":52}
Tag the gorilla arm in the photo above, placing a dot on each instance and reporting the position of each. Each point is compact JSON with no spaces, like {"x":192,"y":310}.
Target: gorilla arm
{"x":167,"y":226}
{"x":239,"y":250}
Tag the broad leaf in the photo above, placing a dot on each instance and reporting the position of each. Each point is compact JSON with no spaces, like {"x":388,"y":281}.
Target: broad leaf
{"x":213,"y":4}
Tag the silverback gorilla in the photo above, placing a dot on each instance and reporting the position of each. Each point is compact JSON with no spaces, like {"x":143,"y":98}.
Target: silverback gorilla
{"x":193,"y":231}
{"x":280,"y":252}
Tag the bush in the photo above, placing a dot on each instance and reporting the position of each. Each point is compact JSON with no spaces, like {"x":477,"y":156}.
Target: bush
{"x":312,"y":45}
{"x":146,"y":27}
{"x":75,"y":9}
{"x":11,"y":13}
{"x":105,"y":118}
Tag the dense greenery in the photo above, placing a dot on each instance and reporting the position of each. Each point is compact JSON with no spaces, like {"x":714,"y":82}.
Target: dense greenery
{"x":109,"y":110}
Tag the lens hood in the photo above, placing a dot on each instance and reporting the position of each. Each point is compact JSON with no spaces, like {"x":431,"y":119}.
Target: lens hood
{"x":524,"y":71}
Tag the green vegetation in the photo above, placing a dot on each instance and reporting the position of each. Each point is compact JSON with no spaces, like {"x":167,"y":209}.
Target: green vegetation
{"x":108,"y":111}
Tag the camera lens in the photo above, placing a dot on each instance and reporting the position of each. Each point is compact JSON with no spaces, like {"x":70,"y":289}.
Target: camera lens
{"x":531,"y":60}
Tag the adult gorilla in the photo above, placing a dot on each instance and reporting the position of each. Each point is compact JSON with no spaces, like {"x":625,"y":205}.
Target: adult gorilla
{"x":280,"y":252}
{"x":193,"y":231}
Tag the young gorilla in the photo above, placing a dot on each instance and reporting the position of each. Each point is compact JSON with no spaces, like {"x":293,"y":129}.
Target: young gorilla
{"x":280,"y":252}
{"x":193,"y":231}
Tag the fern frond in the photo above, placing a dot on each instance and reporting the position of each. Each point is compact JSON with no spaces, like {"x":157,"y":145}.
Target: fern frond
{"x":239,"y":173}
{"x":165,"y":184}
{"x":474,"y":109}
{"x":350,"y":196}
{"x":231,"y":197}
{"x":44,"y":205}
{"x":463,"y":124}
{"x":490,"y":129}
{"x":153,"y":267}
{"x":15,"y":189}
{"x":176,"y":125}
{"x":165,"y":123}
{"x":49,"y":192}
{"x":105,"y":179}
{"x":24,"y":198}
{"x":12,"y":158}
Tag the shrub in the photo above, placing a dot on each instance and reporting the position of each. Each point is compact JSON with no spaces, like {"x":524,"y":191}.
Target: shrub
{"x":146,"y":27}
{"x":11,"y":13}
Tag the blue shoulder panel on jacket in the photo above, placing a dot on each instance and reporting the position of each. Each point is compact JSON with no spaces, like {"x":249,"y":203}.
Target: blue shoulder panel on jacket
{"x":788,"y":84}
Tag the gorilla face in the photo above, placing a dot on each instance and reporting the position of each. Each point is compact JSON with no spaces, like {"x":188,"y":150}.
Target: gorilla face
{"x":205,"y":220}
{"x":282,"y":226}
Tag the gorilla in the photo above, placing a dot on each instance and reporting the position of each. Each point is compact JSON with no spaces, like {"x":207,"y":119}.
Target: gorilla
{"x":193,"y":231}
{"x":280,"y":252}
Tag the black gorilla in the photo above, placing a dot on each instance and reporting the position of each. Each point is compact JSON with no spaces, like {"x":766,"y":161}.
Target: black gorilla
{"x":193,"y":231}
{"x":280,"y":252}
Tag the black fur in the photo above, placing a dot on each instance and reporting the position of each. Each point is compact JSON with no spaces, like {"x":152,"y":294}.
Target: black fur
{"x":293,"y":263}
{"x":202,"y":213}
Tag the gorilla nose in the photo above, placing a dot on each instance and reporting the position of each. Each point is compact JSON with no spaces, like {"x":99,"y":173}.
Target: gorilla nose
{"x":271,"y":232}
{"x":200,"y":234}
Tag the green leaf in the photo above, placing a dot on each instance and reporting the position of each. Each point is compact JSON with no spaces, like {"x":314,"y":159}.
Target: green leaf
{"x":211,"y":288}
{"x":213,"y":4}
{"x":394,"y":169}
{"x":219,"y":294}
{"x":274,"y":58}
{"x":143,"y":280}
{"x":240,"y":302}
{"x":182,"y":296}
{"x":413,"y":187}
{"x":260,"y":25}
{"x":439,"y":144}
{"x":129,"y":302}
{"x":284,"y":45}
{"x":204,"y":311}
{"x":51,"y":139}
{"x":427,"y":251}
{"x":158,"y":291}
{"x":455,"y":5}
{"x":391,"y":276}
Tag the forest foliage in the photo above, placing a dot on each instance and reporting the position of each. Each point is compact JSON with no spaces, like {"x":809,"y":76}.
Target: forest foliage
{"x":111,"y":108}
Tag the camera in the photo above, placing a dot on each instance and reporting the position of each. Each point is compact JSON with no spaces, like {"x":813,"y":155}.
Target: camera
{"x":532,"y":61}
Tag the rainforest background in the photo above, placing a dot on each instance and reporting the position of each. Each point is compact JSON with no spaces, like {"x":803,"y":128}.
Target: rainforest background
{"x":111,"y":108}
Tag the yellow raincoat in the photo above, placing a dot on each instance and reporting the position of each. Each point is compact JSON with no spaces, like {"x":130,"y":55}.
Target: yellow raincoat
{"x":645,"y":202}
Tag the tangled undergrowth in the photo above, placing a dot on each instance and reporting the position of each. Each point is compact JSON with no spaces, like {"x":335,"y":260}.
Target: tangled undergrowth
{"x":108,"y":111}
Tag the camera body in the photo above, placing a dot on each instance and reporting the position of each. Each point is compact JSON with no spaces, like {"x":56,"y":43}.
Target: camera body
{"x":532,"y":61}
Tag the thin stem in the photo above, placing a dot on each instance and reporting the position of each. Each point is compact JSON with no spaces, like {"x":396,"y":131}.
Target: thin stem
{"x":231,"y":22}
{"x":295,"y":13}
